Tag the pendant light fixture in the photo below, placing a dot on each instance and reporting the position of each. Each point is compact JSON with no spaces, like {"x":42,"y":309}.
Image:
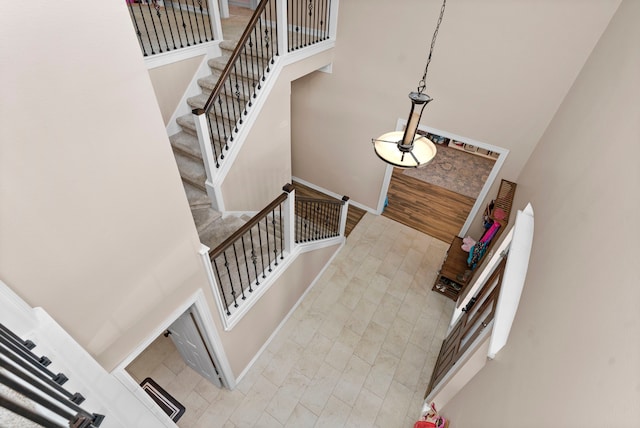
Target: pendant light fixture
{"x":406,"y":149}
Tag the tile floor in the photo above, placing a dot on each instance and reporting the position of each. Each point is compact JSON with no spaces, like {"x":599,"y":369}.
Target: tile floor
{"x":357,"y":352}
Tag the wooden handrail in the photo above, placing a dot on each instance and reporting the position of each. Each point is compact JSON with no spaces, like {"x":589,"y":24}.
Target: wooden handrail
{"x":232,"y":60}
{"x":247,"y":226}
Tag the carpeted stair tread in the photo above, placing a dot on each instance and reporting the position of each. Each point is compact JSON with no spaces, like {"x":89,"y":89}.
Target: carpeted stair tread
{"x":204,"y":218}
{"x":191,"y":170}
{"x":255,"y":72}
{"x":217,"y":232}
{"x":228,"y":45}
{"x":198,"y":198}
{"x":200,"y":100}
{"x":186,"y":143}
{"x":208,"y":83}
{"x":188,"y":124}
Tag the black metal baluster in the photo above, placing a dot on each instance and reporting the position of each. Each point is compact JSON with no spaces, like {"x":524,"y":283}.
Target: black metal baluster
{"x":204,"y":27}
{"x":302,"y":223}
{"x":316,"y":21}
{"x":324,"y":20}
{"x":138,"y":32}
{"x":175,"y":20}
{"x":153,"y":21}
{"x":297,"y":25}
{"x":274,"y":32}
{"x":327,"y":21}
{"x":246,"y":264}
{"x":281,"y":233}
{"x":287,"y":25}
{"x":308,"y":226}
{"x":254,"y":257}
{"x":275,"y":237}
{"x":146,"y":29}
{"x":242,"y":60}
{"x":190,"y":20}
{"x":312,"y":220}
{"x":308,"y":23}
{"x":211,"y":117}
{"x":156,"y":6}
{"x":258,"y":58}
{"x":329,"y":220}
{"x":235,"y":256}
{"x":253,"y":53}
{"x":237,"y":116}
{"x":300,"y":23}
{"x":193,"y":16}
{"x":184,"y":25}
{"x":261,"y":54}
{"x":166,"y":10}
{"x":212,"y":140}
{"x":321,"y":17}
{"x":264,"y":275}
{"x":313,"y":225}
{"x":233,"y":291}
{"x":219,"y":118}
{"x":233,"y":127}
{"x":224,"y":295}
{"x":326,"y":219}
{"x":267,"y":44}
{"x":208,"y":23}
{"x":266,"y":228}
{"x":324,"y":215}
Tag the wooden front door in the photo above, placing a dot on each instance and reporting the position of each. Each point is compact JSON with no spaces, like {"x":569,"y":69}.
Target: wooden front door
{"x":476,"y":316}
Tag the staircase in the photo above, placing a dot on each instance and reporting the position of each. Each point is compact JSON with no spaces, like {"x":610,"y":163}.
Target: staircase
{"x":212,"y":228}
{"x":251,"y":48}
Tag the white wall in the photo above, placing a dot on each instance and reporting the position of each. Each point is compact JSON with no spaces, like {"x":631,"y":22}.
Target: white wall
{"x":94,"y":222}
{"x":263,"y":165}
{"x":572,"y":359}
{"x":499,"y":72}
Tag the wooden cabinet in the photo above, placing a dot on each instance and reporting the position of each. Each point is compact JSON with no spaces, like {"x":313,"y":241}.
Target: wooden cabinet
{"x":452,"y":278}
{"x":455,"y":273}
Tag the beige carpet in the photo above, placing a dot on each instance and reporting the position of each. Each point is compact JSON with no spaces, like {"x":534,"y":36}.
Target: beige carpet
{"x":455,"y":170}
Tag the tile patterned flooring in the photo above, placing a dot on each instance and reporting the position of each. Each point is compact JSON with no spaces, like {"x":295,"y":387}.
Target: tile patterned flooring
{"x":357,"y":352}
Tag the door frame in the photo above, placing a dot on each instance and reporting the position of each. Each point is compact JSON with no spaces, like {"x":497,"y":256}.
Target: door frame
{"x":194,"y":319}
{"x":202,"y":313}
{"x":493,"y":175}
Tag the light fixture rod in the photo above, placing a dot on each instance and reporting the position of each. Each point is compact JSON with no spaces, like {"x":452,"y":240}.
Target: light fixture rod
{"x":422,"y":84}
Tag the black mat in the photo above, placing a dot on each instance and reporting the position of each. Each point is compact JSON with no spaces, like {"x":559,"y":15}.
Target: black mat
{"x":170,"y":405}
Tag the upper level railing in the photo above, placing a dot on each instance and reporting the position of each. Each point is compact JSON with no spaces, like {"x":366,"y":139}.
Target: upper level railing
{"x":308,"y":22}
{"x":35,"y":393}
{"x":168,"y":25}
{"x":318,"y":219}
{"x":242,"y":263}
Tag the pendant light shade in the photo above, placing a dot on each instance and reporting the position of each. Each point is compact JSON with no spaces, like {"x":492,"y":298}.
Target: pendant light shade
{"x":407,"y":149}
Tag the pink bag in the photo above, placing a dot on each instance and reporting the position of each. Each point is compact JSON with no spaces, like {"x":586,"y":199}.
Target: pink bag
{"x":432,"y":419}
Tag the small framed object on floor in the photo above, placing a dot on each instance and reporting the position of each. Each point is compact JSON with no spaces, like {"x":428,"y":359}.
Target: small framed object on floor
{"x":167,"y":403}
